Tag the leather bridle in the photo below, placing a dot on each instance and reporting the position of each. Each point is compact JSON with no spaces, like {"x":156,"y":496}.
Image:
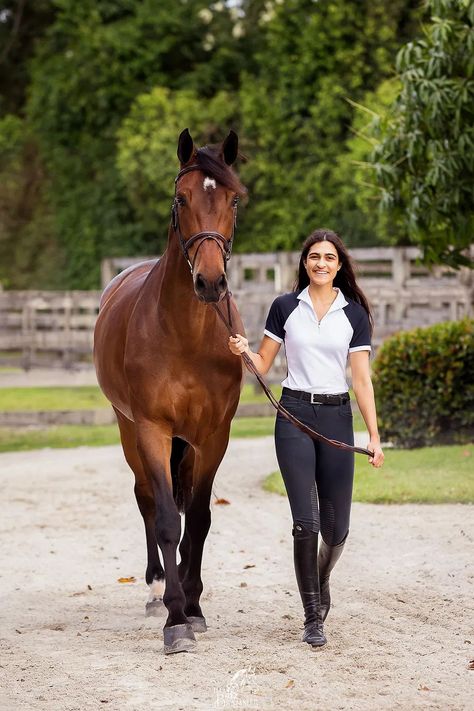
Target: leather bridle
{"x":225,"y":244}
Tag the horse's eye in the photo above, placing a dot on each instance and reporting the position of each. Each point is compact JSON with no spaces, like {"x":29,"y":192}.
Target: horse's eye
{"x":181,"y":200}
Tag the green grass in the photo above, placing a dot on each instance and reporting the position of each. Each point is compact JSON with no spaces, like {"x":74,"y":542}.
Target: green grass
{"x":83,"y":398}
{"x":52,"y":398}
{"x":252,"y":426}
{"x":252,"y":392}
{"x":430,"y":475}
{"x":64,"y":436}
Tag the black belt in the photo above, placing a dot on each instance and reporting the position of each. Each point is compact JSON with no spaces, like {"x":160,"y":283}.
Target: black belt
{"x":316,"y":398}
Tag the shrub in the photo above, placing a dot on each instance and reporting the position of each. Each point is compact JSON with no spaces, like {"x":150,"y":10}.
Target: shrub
{"x":424,"y":385}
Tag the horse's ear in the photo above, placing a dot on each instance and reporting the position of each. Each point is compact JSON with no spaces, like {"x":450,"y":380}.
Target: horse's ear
{"x":185,"y":147}
{"x":230,"y":147}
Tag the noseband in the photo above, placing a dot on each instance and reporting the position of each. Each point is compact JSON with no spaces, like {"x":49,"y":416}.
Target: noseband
{"x":224,"y":244}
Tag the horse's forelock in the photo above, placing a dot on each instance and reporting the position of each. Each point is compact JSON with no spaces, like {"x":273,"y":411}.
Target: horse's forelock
{"x":210,"y":161}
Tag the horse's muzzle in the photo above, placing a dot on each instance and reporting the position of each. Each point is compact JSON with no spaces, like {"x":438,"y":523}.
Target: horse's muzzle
{"x":210,"y":291}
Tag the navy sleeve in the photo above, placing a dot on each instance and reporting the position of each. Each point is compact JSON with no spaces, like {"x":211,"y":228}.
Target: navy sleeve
{"x":274,"y":326}
{"x":360,"y":340}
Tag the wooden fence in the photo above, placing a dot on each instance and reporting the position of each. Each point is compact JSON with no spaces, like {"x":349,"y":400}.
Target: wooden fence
{"x":55,"y":328}
{"x":47,"y":328}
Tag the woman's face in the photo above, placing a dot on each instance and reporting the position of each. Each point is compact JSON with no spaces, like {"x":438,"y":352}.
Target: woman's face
{"x":322,"y":263}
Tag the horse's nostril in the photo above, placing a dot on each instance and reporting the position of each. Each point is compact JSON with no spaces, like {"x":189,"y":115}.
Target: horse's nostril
{"x":222,"y":283}
{"x":200,"y":282}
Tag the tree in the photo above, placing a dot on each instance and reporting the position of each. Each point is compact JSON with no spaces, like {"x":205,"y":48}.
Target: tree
{"x":146,"y":155}
{"x":95,"y":59}
{"x":28,"y":248}
{"x":424,"y":162}
{"x":22,"y":24}
{"x":296,"y":119}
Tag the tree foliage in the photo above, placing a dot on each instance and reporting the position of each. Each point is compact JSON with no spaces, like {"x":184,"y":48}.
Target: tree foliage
{"x":296,"y":119}
{"x":424,"y":163}
{"x":147,"y":141}
{"x":100,"y":90}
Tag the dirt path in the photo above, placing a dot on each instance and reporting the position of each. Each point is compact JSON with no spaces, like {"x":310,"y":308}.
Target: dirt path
{"x":73,"y":638}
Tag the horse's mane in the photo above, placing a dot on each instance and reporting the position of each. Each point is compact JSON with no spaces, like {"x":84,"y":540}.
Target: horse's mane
{"x":209,"y":159}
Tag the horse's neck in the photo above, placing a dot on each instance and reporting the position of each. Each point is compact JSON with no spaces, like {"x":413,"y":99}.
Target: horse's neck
{"x":172,"y":286}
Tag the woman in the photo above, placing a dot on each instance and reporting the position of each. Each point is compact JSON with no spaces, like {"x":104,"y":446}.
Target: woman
{"x":323,"y":322}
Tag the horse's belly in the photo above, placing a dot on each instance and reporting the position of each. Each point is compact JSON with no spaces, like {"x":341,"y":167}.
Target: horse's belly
{"x":110,"y":336}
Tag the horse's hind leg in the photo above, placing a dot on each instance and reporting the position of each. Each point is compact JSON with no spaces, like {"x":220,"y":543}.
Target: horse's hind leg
{"x":154,"y":575}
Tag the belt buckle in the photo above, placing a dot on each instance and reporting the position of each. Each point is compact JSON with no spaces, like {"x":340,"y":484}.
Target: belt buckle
{"x":313,"y":401}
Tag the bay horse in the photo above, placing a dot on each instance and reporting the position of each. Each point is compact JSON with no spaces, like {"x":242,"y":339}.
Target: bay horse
{"x":162,"y":359}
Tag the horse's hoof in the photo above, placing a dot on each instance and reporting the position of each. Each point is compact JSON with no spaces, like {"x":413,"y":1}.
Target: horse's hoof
{"x":154,"y":608}
{"x":179,"y":638}
{"x":198,"y":624}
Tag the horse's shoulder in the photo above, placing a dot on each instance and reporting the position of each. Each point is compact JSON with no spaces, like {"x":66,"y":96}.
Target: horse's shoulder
{"x":131,"y":275}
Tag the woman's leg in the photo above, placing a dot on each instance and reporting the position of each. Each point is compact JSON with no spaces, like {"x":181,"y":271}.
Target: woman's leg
{"x":296,"y":457}
{"x":334,"y":477}
{"x":297,"y":461}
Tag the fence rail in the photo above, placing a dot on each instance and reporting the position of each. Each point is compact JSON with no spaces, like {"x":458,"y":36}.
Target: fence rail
{"x":56,"y":328}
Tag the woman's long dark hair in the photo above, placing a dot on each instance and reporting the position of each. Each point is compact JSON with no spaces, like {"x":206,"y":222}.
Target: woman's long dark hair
{"x":345,"y":278}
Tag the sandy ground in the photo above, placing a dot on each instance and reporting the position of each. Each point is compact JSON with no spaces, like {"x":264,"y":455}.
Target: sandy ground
{"x":400,"y":633}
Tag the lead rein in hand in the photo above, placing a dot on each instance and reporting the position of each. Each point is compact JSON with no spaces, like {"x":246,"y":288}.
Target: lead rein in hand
{"x":277,"y":405}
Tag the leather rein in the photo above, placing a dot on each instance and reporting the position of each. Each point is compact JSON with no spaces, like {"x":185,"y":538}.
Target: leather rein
{"x":226,"y":247}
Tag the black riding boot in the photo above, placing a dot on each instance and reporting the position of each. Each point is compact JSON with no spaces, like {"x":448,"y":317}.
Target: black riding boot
{"x":327,"y":559}
{"x":305,"y":547}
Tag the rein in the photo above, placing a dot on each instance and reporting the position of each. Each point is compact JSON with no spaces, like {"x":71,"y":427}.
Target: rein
{"x":226,"y":247}
{"x":277,"y":405}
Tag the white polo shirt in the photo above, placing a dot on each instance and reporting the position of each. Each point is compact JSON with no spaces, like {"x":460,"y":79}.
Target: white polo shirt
{"x":317,"y":351}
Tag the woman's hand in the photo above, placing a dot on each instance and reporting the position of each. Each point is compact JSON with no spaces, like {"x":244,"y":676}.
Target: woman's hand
{"x":239,"y":344}
{"x":378,"y":458}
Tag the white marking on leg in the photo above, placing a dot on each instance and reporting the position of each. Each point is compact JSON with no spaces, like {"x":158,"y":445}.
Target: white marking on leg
{"x":209,"y":183}
{"x":157,"y":588}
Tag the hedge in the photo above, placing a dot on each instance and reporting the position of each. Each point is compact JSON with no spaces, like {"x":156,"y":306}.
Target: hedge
{"x":424,"y":385}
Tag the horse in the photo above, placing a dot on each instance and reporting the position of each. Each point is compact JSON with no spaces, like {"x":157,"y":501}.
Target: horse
{"x":162,"y":360}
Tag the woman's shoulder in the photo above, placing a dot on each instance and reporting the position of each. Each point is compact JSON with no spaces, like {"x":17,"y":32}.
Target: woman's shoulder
{"x":290,"y":298}
{"x":354,"y":307}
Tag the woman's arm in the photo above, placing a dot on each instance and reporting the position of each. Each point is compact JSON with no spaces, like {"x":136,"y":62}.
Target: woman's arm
{"x":265,"y":356}
{"x":364,"y":392}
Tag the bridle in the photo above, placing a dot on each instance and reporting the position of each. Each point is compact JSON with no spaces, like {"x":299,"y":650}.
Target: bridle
{"x":224,"y":243}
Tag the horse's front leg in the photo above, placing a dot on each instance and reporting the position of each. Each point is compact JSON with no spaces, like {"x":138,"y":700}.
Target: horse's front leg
{"x":154,"y":446}
{"x":198,"y":522}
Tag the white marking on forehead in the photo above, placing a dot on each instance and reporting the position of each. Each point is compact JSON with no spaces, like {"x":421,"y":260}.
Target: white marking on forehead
{"x":209,"y":183}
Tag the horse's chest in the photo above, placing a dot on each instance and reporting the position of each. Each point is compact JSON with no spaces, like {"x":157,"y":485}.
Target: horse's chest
{"x":197,"y":416}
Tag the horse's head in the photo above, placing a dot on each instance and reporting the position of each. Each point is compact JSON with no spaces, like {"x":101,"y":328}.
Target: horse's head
{"x":204,"y":211}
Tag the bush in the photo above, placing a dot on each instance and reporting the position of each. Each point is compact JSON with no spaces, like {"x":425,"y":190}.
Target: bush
{"x":424,"y":385}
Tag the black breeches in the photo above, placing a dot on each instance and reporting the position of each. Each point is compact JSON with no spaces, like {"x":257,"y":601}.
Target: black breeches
{"x":318,"y":477}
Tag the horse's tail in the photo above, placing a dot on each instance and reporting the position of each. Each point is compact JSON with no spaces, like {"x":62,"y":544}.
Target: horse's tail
{"x":178,"y":450}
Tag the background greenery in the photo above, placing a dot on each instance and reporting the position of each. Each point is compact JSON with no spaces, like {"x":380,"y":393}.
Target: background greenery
{"x":424,"y":385}
{"x":94,"y":93}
